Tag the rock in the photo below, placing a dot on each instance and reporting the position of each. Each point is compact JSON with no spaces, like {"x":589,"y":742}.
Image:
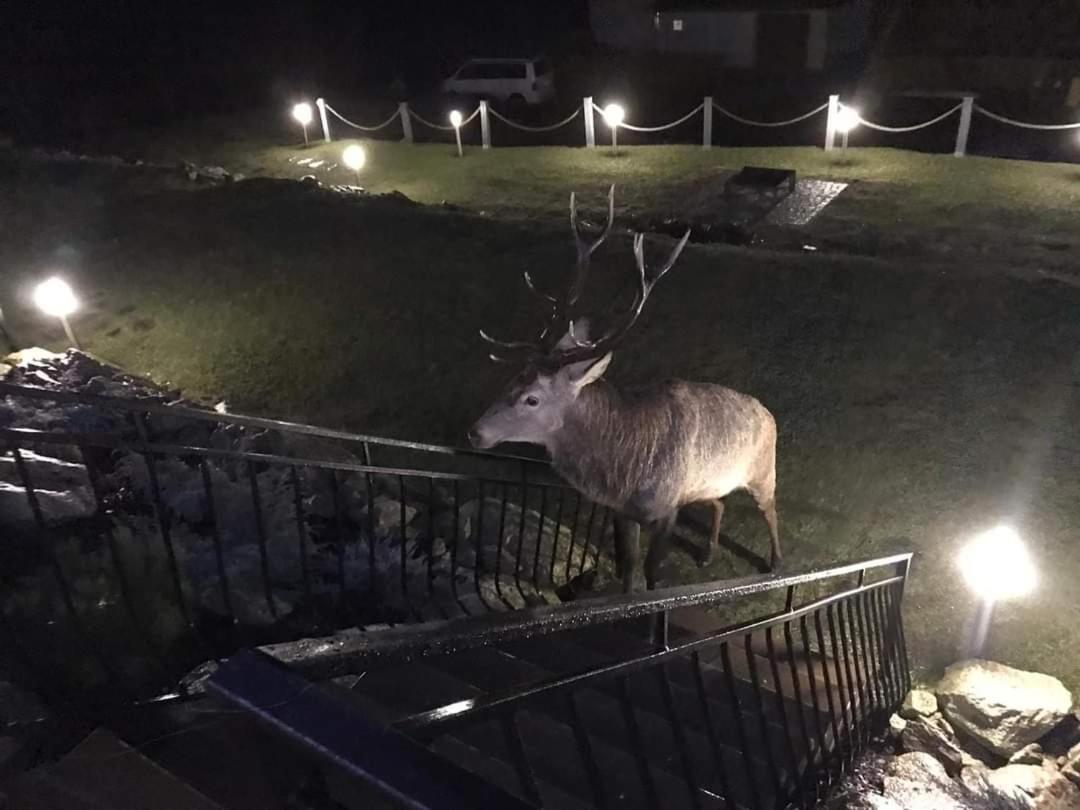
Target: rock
{"x":1002,"y":707}
{"x":923,"y":735}
{"x":62,"y":489}
{"x":918,"y":703}
{"x":1060,"y":794}
{"x":897,"y":724}
{"x":917,"y":780}
{"x":1020,"y":781}
{"x":974,"y":778}
{"x":1028,"y":755}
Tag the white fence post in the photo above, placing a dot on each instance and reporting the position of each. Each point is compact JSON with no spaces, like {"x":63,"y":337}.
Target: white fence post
{"x":965,"y":127}
{"x":321,"y":104}
{"x":830,"y":126}
{"x":706,"y":135}
{"x":590,"y":124}
{"x":406,"y":121}
{"x":485,"y":124}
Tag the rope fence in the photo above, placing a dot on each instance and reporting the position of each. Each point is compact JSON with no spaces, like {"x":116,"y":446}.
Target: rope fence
{"x":841,"y":120}
{"x":1023,"y":124}
{"x":361,"y":127}
{"x":661,"y":128}
{"x":788,"y":122}
{"x":913,"y":127}
{"x":527,"y":128}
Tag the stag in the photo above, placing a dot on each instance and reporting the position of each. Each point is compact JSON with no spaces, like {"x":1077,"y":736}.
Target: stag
{"x":644,"y":453}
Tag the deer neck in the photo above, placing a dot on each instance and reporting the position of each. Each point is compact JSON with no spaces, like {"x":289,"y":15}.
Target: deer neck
{"x":581,"y":450}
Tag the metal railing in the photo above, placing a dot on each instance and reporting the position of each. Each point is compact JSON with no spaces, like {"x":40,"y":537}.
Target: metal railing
{"x":143,"y":538}
{"x":766,"y":712}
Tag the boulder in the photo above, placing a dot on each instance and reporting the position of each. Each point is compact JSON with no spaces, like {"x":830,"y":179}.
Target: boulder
{"x":1001,"y":707}
{"x":918,"y":703}
{"x":923,"y":735}
{"x":1022,"y":782}
{"x":897,"y":724}
{"x":917,"y":779}
{"x":1028,"y":755}
{"x":1059,"y":794}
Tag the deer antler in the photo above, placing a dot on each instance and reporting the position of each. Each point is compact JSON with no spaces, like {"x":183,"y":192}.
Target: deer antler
{"x":563,"y":312}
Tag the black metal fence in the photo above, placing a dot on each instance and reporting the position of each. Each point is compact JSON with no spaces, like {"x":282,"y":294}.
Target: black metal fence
{"x":142,"y":538}
{"x":763,"y":713}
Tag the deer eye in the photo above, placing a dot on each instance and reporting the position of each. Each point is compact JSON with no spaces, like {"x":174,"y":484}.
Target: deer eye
{"x":532,"y":401}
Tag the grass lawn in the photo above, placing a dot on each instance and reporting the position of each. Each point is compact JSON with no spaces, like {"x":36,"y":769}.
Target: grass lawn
{"x":916,"y":404}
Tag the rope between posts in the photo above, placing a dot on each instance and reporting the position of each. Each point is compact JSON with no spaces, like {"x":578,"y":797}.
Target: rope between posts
{"x":475,"y":113}
{"x":685,"y":118}
{"x":923,"y":125}
{"x":751,"y":123}
{"x":342,"y":118}
{"x":527,"y":128}
{"x":426,"y":123}
{"x":1023,"y":124}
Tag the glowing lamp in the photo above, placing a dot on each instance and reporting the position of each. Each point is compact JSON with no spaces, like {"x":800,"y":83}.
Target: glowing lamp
{"x":55,"y":297}
{"x":355,"y":157}
{"x":302,"y":113}
{"x":614,"y":115}
{"x":996,"y":565}
{"x":455,"y":122}
{"x":847,"y":119}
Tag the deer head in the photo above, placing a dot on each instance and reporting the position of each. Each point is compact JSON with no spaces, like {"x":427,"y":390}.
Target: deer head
{"x":562,"y":360}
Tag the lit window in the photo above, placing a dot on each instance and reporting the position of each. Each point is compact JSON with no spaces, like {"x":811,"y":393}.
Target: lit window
{"x":676,"y":25}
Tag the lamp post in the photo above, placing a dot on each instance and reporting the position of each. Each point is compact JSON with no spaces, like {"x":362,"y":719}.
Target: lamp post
{"x":996,"y":566}
{"x":847,"y":119}
{"x":455,"y":122}
{"x":54,"y":297}
{"x":355,"y":157}
{"x":614,"y":115}
{"x":303,"y":115}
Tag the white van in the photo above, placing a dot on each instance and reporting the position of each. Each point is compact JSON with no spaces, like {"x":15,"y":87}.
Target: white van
{"x":517,"y":81}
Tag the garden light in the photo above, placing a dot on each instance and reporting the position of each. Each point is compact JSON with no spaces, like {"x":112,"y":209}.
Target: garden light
{"x":847,"y":119}
{"x":54,"y":297}
{"x":303,"y":115}
{"x":614,"y":114}
{"x":355,"y":157}
{"x":996,"y":566}
{"x":455,"y":122}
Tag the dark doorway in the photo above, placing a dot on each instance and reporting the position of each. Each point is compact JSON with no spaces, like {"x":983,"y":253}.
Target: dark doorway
{"x":782,"y":42}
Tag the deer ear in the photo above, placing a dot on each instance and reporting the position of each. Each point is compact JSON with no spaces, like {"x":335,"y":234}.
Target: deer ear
{"x":587,"y":371}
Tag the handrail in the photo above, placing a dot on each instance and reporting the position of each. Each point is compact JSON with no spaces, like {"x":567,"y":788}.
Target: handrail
{"x":473,"y":707}
{"x":154,"y":407}
{"x":111,"y":442}
{"x":345,"y":652}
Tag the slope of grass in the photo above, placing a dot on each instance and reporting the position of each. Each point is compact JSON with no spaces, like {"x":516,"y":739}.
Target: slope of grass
{"x":915,"y":407}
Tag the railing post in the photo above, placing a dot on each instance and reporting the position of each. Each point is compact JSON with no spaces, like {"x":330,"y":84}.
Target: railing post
{"x":706,"y":135}
{"x":590,"y":123}
{"x":830,"y":127}
{"x":406,"y":121}
{"x":485,"y":124}
{"x":321,"y":104}
{"x":964,"y":128}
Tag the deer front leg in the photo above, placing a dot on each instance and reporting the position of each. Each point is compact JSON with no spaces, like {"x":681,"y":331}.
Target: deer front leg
{"x":627,"y":541}
{"x":713,"y":540}
{"x":659,"y":545}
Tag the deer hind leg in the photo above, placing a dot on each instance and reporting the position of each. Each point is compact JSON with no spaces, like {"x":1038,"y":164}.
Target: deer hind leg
{"x":659,"y":545}
{"x":627,"y":541}
{"x":765,"y":496}
{"x":713,"y":540}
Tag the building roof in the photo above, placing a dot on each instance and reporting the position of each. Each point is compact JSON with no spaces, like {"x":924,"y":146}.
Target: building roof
{"x":666,"y":6}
